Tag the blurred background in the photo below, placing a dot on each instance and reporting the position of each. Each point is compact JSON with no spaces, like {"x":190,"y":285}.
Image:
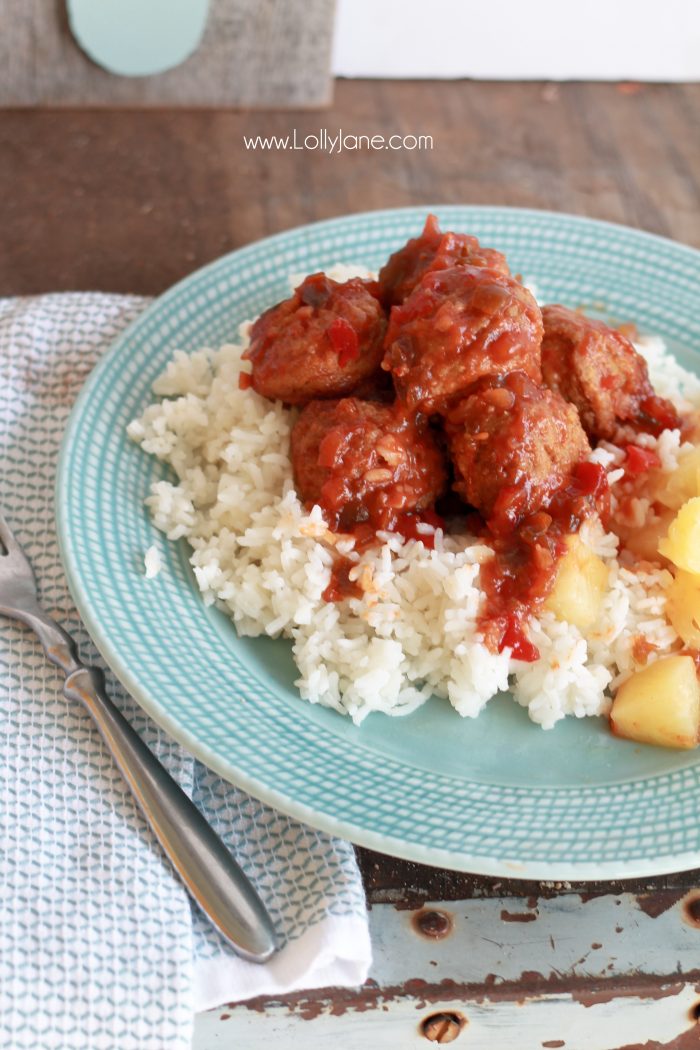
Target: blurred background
{"x":598,"y":40}
{"x":139,"y":140}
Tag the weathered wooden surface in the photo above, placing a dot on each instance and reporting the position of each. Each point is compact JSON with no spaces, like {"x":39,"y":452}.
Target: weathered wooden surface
{"x":132,"y":201}
{"x":389,"y":880}
{"x":253,"y":53}
{"x":580,"y":973}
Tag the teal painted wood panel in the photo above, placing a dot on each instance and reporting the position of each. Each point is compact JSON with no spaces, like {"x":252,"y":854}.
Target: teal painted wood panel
{"x":136,"y":38}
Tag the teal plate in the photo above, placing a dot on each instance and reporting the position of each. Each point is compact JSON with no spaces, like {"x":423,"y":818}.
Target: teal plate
{"x":496,"y":795}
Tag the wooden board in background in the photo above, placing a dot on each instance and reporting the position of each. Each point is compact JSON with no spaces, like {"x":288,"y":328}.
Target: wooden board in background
{"x":133,"y":201}
{"x":254,"y":53}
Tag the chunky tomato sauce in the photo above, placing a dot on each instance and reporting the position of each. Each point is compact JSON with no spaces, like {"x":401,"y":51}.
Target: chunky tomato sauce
{"x":521,"y":574}
{"x":445,"y":379}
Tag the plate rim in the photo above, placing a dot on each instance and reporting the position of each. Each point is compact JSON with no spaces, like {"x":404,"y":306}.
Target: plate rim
{"x":379,"y":841}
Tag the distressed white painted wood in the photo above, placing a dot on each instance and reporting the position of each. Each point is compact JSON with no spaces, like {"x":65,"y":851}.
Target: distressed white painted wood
{"x":501,"y":1026}
{"x":586,"y":974}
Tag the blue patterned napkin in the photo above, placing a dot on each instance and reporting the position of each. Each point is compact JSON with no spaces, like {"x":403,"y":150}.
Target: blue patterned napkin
{"x":99,"y":946}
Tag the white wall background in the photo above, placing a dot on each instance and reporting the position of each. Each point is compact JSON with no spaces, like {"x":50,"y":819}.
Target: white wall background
{"x":519,"y":39}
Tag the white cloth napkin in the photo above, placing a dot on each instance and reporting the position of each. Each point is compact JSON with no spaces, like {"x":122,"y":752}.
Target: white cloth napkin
{"x":99,"y":946}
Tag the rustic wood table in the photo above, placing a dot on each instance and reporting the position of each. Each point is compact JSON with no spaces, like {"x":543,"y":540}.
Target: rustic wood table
{"x":130,"y":201}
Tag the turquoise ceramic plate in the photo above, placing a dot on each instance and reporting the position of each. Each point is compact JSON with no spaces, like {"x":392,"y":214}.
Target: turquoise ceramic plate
{"x":496,"y":795}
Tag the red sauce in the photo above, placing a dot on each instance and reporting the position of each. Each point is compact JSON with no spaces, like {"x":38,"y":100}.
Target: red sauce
{"x":516,"y":639}
{"x":315,"y":290}
{"x":463,"y":340}
{"x":639,"y":460}
{"x":245,"y":381}
{"x":641,"y":648}
{"x":341,"y":586}
{"x":657,"y":414}
{"x":407,"y":526}
{"x":517,"y":580}
{"x":521,"y":574}
{"x":343,"y":339}
{"x":365,"y":536}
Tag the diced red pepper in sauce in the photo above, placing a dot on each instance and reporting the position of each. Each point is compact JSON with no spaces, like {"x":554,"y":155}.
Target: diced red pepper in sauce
{"x":639,"y":460}
{"x":330,"y":446}
{"x":590,"y":479}
{"x":659,"y":414}
{"x":344,"y":341}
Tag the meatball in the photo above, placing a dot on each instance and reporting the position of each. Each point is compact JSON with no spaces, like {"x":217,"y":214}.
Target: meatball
{"x":458,"y":325}
{"x":512,"y":444}
{"x":322,"y":343}
{"x":433,"y":250}
{"x":363,"y":461}
{"x":598,"y":370}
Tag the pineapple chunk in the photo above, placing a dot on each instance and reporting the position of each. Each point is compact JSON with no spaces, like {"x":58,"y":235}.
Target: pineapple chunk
{"x":579,"y":585}
{"x":682,"y":545}
{"x":644,"y":541}
{"x":675,"y":489}
{"x":683,"y":607}
{"x":660,"y":704}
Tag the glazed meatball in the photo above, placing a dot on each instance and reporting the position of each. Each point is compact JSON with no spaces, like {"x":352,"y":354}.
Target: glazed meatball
{"x":363,"y":461}
{"x":458,"y":325}
{"x":322,"y":343}
{"x":598,"y":370}
{"x":512,"y":444}
{"x":433,"y":250}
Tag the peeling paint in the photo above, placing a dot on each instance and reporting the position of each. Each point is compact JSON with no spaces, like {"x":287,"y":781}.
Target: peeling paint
{"x":658,"y":902}
{"x":595,"y":996}
{"x":518,"y":916}
{"x":531,"y":985}
{"x":584,"y":970}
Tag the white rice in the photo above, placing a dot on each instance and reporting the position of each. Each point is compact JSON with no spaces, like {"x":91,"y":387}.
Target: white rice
{"x":152,"y":562}
{"x":263,"y":558}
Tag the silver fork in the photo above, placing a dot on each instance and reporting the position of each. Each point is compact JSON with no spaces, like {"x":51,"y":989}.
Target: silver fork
{"x":206,"y":867}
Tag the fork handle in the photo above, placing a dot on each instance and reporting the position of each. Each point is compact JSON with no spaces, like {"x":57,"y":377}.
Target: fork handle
{"x":200,"y":858}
